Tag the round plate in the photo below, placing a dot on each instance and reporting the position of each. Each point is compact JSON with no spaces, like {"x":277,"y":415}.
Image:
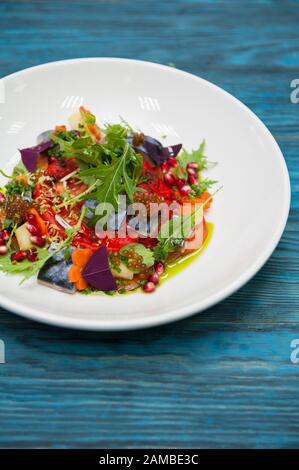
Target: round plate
{"x":249,"y":214}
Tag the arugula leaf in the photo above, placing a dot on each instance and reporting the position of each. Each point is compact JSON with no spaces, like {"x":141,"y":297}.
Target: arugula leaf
{"x":141,"y":250}
{"x":126,"y":125}
{"x":196,"y":156}
{"x":81,"y":143}
{"x":89,"y":180}
{"x":119,"y":173}
{"x":115,"y":132}
{"x":114,"y":165}
{"x":173,"y":234}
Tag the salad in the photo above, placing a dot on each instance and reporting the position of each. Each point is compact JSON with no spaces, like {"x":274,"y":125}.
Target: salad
{"x":102,"y":209}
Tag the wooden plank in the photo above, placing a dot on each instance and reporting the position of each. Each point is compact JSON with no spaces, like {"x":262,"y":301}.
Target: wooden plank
{"x":196,"y":386}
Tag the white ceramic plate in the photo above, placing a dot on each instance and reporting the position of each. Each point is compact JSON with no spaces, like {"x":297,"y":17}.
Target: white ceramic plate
{"x":249,"y":214}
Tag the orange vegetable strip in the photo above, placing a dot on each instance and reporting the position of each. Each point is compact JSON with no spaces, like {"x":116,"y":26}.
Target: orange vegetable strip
{"x":203,"y":198}
{"x":40,"y":222}
{"x":74,"y":273}
{"x":81,"y":284}
{"x":80,"y":257}
{"x":23,"y":178}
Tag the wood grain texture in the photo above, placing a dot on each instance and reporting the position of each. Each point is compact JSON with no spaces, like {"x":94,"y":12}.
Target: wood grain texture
{"x":222,"y":378}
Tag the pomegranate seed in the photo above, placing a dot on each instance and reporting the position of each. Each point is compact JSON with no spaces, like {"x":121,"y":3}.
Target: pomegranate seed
{"x":154,"y":278}
{"x":3,"y":250}
{"x":185,"y":190}
{"x":31,"y":219}
{"x":149,"y":287}
{"x":192,"y":180}
{"x":2,"y":198}
{"x":32,"y":256}
{"x":32,"y":229}
{"x":18,"y":256}
{"x":38,"y":240}
{"x":180,"y":183}
{"x":192,"y":165}
{"x":169,"y":179}
{"x":159,"y":267}
{"x":164,"y":166}
{"x":192,"y":171}
{"x":172,"y":162}
{"x":4,"y":235}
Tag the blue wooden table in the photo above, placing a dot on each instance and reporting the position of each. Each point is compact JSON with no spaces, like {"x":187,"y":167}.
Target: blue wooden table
{"x":223,"y":378}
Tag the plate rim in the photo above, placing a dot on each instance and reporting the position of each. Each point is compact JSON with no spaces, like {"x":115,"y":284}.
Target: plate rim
{"x":194,"y":308}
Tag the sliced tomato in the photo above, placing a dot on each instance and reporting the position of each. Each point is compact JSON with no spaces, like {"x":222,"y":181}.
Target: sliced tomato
{"x":38,"y":191}
{"x":59,"y":168}
{"x":49,"y":217}
{"x":82,"y":242}
{"x":76,"y":187}
{"x":115,"y":244}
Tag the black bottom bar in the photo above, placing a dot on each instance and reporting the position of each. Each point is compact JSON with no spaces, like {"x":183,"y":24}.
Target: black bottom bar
{"x":134,"y":459}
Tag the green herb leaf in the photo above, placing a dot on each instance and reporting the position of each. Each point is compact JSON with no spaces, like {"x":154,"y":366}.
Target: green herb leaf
{"x":141,"y":250}
{"x":8,"y":223}
{"x":90,"y":119}
{"x":25,"y":267}
{"x":18,"y":187}
{"x":196,"y":156}
{"x":20,"y":169}
{"x":65,"y":140}
{"x":201,"y":187}
{"x":173,"y":234}
{"x":82,"y":148}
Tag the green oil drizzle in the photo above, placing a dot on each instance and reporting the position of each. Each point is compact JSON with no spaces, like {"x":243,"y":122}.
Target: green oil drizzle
{"x":177,"y":266}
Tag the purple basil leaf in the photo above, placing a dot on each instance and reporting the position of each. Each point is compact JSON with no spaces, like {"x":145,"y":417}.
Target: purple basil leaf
{"x":97,"y":271}
{"x":30,"y":154}
{"x":154,"y":149}
{"x":171,"y":151}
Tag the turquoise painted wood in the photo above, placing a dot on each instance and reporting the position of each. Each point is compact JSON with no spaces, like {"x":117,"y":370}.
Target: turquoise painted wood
{"x":223,"y":378}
